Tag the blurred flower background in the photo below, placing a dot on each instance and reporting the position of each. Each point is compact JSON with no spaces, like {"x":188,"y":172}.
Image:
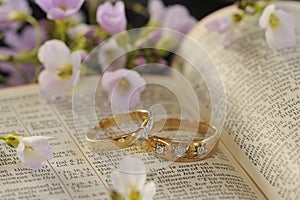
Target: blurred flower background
{"x":46,"y":41}
{"x":26,"y":24}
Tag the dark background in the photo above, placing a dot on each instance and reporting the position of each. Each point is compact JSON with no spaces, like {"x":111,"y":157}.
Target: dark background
{"x":200,"y":8}
{"x":197,"y":8}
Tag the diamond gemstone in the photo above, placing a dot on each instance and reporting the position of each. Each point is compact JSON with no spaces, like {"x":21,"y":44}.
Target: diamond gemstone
{"x":159,"y":149}
{"x":147,"y":128}
{"x":179,"y":151}
{"x":201,"y":150}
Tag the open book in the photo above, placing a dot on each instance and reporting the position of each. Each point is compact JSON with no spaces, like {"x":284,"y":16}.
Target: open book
{"x":257,"y":157}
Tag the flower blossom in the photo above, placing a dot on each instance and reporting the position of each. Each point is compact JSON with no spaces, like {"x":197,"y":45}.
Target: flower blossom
{"x":124,"y":87}
{"x":175,"y":17}
{"x":129,"y":181}
{"x":223,"y":26}
{"x":110,"y":55}
{"x":32,"y":151}
{"x":59,"y":9}
{"x":112,"y":17}
{"x":25,"y":41}
{"x":61,"y":68}
{"x":279,"y":26}
{"x":11,"y":6}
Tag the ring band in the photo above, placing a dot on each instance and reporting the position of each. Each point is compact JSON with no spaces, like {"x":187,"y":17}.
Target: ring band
{"x":112,"y":140}
{"x":182,"y":150}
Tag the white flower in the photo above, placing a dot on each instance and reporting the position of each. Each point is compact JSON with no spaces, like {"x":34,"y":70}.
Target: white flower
{"x":279,"y":26}
{"x":61,"y":68}
{"x":32,"y":151}
{"x":111,"y":55}
{"x":129,"y":180}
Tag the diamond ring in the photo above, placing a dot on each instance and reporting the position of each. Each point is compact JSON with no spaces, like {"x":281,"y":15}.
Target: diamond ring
{"x":181,"y":140}
{"x":120,"y":131}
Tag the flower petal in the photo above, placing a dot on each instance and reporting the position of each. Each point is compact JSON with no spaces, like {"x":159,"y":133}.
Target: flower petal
{"x":12,"y":39}
{"x":54,"y":54}
{"x":177,"y":17}
{"x":148,"y":191}
{"x":54,"y":9}
{"x":264,"y":19}
{"x":76,"y":58}
{"x":156,"y":10}
{"x":20,"y":150}
{"x":56,"y":13}
{"x":32,"y":151}
{"x":112,"y":17}
{"x":50,"y":85}
{"x":131,"y":174}
{"x":131,"y":97}
{"x":46,"y":5}
{"x":41,"y":144}
{"x":109,"y":80}
{"x":25,"y":41}
{"x":281,"y":34}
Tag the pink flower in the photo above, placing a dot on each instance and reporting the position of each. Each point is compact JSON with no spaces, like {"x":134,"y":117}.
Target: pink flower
{"x":24,"y":41}
{"x":9,"y":6}
{"x":59,"y":9}
{"x":279,"y":26}
{"x":156,"y":10}
{"x":61,"y":68}
{"x":223,"y":26}
{"x":124,"y":87}
{"x":175,"y":17}
{"x":112,"y":17}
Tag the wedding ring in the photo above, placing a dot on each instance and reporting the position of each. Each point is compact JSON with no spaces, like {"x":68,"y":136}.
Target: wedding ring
{"x":181,"y":149}
{"x":112,"y":132}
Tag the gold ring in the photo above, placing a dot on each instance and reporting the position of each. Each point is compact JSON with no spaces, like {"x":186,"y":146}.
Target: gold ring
{"x":181,"y":149}
{"x":103,"y":138}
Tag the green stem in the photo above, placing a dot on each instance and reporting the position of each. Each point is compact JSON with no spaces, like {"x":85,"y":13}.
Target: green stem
{"x":24,"y":59}
{"x":31,"y":20}
{"x":2,"y":137}
{"x":92,"y":5}
{"x":61,"y":28}
{"x":21,"y":71}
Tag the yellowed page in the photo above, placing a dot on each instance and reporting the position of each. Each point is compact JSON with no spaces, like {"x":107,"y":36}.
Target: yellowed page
{"x":263,"y":101}
{"x":79,"y":173}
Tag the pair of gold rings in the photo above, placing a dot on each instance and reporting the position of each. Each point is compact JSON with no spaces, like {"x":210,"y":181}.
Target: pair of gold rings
{"x":161,"y":137}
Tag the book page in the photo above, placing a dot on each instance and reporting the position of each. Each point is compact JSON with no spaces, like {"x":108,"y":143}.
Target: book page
{"x":77,"y":172}
{"x":263,"y":101}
